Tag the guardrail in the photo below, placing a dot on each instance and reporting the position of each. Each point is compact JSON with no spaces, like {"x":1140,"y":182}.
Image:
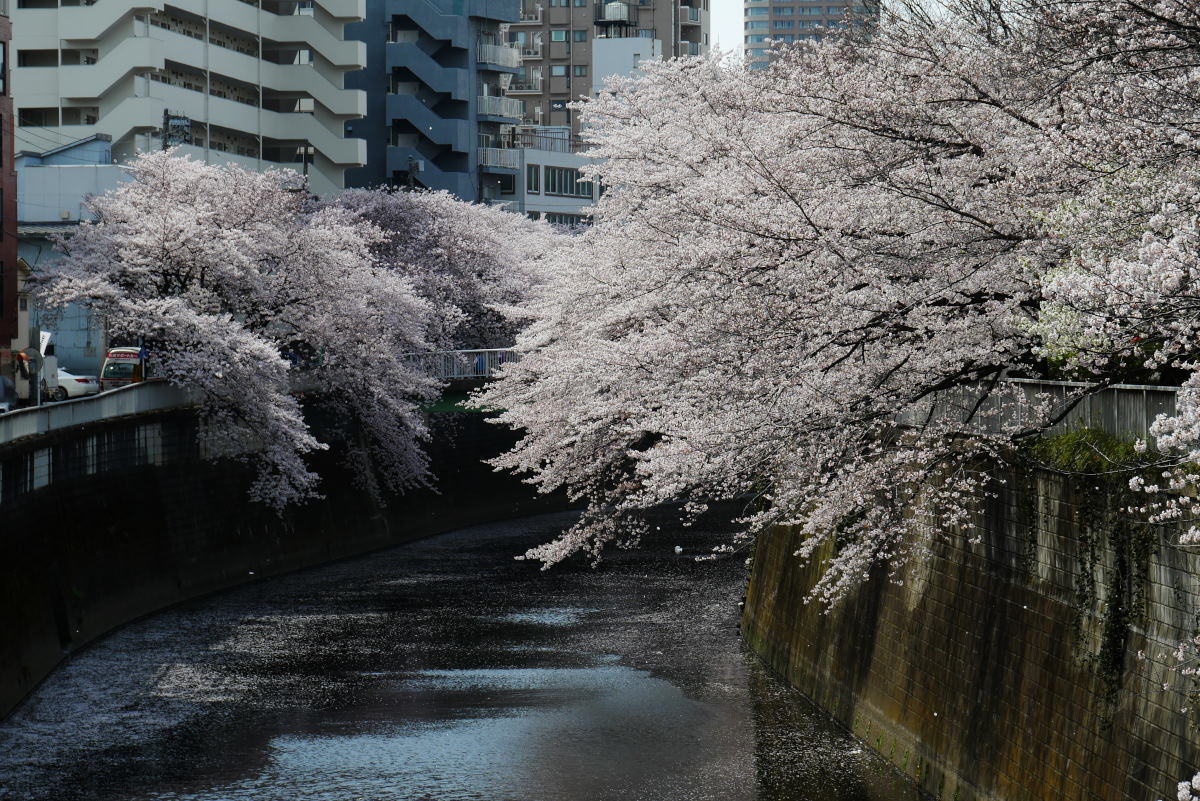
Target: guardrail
{"x":159,"y":396}
{"x":133,"y":399}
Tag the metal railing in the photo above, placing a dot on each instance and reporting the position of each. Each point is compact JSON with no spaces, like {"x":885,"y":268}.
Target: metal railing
{"x":530,"y":15}
{"x":158,"y":396}
{"x":466,"y":364}
{"x":615,"y":12}
{"x":500,"y":157}
{"x":554,"y":142}
{"x":527,"y":85}
{"x":504,"y":55}
{"x":501,"y":107}
{"x":126,"y":401}
{"x":1123,"y":410}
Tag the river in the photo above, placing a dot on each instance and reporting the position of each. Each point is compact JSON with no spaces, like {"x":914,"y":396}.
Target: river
{"x":438,"y":671}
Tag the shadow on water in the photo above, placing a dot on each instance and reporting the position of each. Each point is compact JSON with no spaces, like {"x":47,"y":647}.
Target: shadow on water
{"x":441,"y":670}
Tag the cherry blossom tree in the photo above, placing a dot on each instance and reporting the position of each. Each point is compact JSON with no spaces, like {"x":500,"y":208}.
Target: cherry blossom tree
{"x":472,"y":263}
{"x":244,"y":293}
{"x":789,"y":262}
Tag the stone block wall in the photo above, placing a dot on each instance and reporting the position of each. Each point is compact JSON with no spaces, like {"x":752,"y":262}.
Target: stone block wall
{"x":1006,"y":670}
{"x":106,"y":523}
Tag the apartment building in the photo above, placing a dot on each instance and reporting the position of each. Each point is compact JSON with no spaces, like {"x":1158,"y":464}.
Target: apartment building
{"x":556,"y":38}
{"x":257,"y":83}
{"x":770,"y":21}
{"x":9,"y":302}
{"x":437,"y":116}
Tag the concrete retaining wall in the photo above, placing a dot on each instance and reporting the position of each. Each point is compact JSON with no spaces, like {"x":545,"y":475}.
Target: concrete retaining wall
{"x":103,"y":524}
{"x":1002,"y":670}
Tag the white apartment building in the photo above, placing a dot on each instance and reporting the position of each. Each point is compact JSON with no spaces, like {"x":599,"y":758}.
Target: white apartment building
{"x":257,"y":83}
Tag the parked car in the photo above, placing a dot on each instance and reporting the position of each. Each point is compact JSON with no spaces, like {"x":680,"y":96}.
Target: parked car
{"x":71,"y":385}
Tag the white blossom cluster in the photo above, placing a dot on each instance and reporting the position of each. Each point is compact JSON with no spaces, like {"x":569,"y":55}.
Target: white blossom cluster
{"x":245,"y":289}
{"x":789,"y":262}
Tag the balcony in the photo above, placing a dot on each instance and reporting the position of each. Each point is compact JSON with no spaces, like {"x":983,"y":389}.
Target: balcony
{"x":501,"y":55}
{"x":501,"y":107}
{"x":530,"y":16}
{"x":689,"y":15}
{"x":527,"y":86}
{"x":690,"y":49}
{"x":616,"y":12}
{"x":532,"y":51}
{"x":504,"y":157}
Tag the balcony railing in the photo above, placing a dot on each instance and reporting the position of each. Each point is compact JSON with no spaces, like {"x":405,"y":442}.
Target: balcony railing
{"x":616,"y":12}
{"x":689,"y":48}
{"x":688,"y":15}
{"x":501,"y":107}
{"x":554,"y":142}
{"x":500,"y":157}
{"x":530,"y":16}
{"x":504,"y":55}
{"x":528,"y":85}
{"x":534,"y":51}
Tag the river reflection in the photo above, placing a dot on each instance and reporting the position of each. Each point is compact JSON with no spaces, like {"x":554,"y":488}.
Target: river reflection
{"x":441,"y":670}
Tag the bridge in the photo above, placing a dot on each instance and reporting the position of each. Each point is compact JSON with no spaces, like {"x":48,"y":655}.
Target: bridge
{"x":159,"y":396}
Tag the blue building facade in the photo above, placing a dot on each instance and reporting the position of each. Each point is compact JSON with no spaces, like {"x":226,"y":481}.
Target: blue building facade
{"x":436,"y":113}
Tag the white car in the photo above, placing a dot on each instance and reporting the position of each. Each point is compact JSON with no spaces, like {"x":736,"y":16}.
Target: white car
{"x":75,"y":386}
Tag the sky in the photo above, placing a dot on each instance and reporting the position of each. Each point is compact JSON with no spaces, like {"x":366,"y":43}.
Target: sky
{"x":726,"y":23}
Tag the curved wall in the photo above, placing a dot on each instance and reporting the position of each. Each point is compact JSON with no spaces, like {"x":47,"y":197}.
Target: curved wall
{"x":102,"y":524}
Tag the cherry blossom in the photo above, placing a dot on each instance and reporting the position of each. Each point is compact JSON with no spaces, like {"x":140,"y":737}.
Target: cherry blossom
{"x":244,"y":293}
{"x":789,"y":262}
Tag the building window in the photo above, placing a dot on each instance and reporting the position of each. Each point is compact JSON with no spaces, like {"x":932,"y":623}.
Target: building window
{"x":782,"y":24}
{"x":580,"y":70}
{"x":3,"y":68}
{"x":566,"y":181}
{"x":565,"y":219}
{"x":757,"y":12}
{"x":508,"y":184}
{"x":757,"y":39}
{"x":558,"y":36}
{"x":533,"y":178}
{"x":784,"y":11}
{"x":581,"y":3}
{"x":835,"y":11}
{"x":646,"y":33}
{"x":579,"y":36}
{"x":757,"y":25}
{"x":558,"y":70}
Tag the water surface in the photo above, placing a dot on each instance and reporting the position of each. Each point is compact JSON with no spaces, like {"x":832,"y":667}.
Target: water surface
{"x":441,"y":670}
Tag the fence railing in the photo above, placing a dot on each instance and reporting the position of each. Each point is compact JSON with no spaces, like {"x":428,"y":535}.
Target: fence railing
{"x":504,"y":55}
{"x":158,"y":396}
{"x":501,"y":107}
{"x":466,"y":364}
{"x":1123,"y":410}
{"x":500,"y":157}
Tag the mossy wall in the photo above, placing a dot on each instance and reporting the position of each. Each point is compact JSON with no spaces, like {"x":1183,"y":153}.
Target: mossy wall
{"x":1009,"y":669}
{"x":104,"y":524}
